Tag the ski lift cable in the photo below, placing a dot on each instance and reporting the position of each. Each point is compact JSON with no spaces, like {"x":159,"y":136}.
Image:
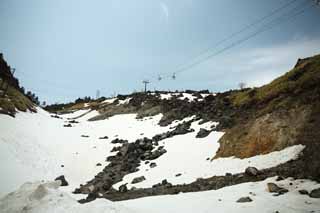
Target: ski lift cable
{"x":243,"y":29}
{"x":284,"y":18}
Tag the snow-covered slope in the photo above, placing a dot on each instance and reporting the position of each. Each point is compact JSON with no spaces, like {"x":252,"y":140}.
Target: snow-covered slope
{"x":47,"y":198}
{"x":36,"y":146}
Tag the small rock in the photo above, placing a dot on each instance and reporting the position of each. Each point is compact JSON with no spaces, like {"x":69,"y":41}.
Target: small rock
{"x":244,"y":200}
{"x":98,"y":164}
{"x":178,"y":175}
{"x":63,"y":180}
{"x":123,"y":188}
{"x":105,"y":137}
{"x":67,"y":125}
{"x":274,"y":188}
{"x":279,"y":178}
{"x":152,"y":165}
{"x":315,"y":193}
{"x":62,"y":165}
{"x":228,"y":174}
{"x":303,"y":192}
{"x":138,"y":179}
{"x":85,"y":136}
{"x":203,"y":133}
{"x":252,"y":171}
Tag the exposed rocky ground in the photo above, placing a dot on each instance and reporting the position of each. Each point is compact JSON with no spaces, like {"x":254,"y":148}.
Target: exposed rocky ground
{"x":255,"y":121}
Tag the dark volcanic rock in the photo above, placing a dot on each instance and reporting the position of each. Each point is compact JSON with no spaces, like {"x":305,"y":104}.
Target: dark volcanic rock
{"x":274,"y":188}
{"x":138,"y":179}
{"x":244,"y":200}
{"x":67,"y":125}
{"x":203,"y":133}
{"x":63,"y":180}
{"x":251,"y":171}
{"x":123,"y":188}
{"x":152,"y":165}
{"x":303,"y":192}
{"x":315,"y":193}
{"x":104,"y":137}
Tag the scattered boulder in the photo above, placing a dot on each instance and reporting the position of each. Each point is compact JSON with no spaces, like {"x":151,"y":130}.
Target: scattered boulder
{"x":138,"y":179}
{"x":274,"y":188}
{"x":104,"y":137}
{"x":244,"y":200}
{"x":228,"y":174}
{"x":117,"y":140}
{"x":67,"y":125}
{"x":63,"y":180}
{"x":315,"y":193}
{"x":73,"y":122}
{"x":303,"y":192}
{"x":178,"y":175}
{"x":252,"y":171}
{"x":85,"y":136}
{"x":279,"y":178}
{"x":203,"y":133}
{"x":123,"y":188}
{"x":152,"y":165}
{"x":98,"y":164}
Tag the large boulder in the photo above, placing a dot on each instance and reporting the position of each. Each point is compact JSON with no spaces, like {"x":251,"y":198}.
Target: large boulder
{"x":252,"y":171}
{"x":203,"y":133}
{"x":274,"y":188}
{"x":138,"y":179}
{"x":315,"y":193}
{"x":63,"y":180}
{"x":244,"y":200}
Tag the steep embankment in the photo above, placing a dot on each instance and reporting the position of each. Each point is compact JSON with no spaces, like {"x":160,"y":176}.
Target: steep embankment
{"x":13,"y":100}
{"x":281,"y":114}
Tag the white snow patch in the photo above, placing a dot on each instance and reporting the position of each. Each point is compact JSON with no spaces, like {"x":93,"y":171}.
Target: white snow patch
{"x":47,"y":198}
{"x":110,"y":100}
{"x":125,"y":101}
{"x":224,"y":199}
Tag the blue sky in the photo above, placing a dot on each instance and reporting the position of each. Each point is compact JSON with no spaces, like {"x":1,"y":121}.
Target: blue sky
{"x":65,"y":49}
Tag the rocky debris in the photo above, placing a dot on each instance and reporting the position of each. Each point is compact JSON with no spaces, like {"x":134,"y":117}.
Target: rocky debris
{"x":127,"y":160}
{"x":180,"y":129}
{"x":67,"y":125}
{"x":164,"y":184}
{"x":251,"y":171}
{"x":104,"y":137}
{"x":315,"y":193}
{"x":56,"y":116}
{"x":244,"y":200}
{"x":138,"y":179}
{"x":303,"y":192}
{"x":63,"y":180}
{"x":123,"y":188}
{"x":115,"y":149}
{"x":203,"y":133}
{"x":279,"y":178}
{"x":85,"y":136}
{"x":152,"y":165}
{"x":274,"y":188}
{"x":73,"y":122}
{"x":117,"y":140}
{"x":98,"y":164}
